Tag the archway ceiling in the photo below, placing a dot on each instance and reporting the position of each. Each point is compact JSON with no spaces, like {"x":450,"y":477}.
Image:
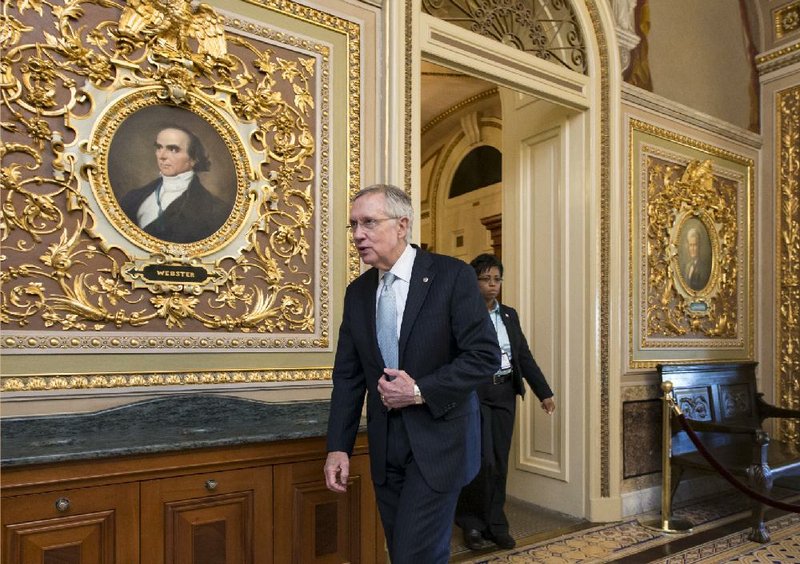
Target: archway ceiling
{"x":443,"y":88}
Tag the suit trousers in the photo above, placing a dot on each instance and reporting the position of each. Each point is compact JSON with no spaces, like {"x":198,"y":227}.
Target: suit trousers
{"x":417,"y":520}
{"x":480,"y":505}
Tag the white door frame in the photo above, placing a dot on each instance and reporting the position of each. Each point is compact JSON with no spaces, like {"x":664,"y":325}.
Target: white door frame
{"x":413,"y":35}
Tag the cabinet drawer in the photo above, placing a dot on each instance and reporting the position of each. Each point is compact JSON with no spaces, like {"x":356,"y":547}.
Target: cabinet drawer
{"x":209,"y":518}
{"x":97,"y":524}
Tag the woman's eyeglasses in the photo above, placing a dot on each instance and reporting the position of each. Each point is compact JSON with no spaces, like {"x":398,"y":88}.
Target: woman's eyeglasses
{"x":487,"y":279}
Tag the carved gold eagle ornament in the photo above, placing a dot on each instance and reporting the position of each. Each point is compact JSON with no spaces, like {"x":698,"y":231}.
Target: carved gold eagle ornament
{"x":169,"y":25}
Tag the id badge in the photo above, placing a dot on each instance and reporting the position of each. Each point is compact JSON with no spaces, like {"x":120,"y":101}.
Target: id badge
{"x":505,"y":362}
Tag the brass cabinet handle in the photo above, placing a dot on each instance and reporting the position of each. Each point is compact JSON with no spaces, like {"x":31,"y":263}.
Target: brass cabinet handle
{"x":62,"y":504}
{"x":211,"y":485}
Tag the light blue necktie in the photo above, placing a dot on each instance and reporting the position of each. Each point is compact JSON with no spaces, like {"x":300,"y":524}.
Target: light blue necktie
{"x":386,"y":322}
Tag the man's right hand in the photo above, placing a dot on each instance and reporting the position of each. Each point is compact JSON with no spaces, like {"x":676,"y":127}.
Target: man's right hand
{"x":337,"y":471}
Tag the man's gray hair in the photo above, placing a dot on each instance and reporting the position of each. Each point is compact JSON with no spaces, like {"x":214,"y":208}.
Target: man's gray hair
{"x":398,"y":203}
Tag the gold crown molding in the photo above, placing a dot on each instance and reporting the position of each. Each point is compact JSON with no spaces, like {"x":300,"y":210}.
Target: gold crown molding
{"x":409,"y":96}
{"x":778,"y":59}
{"x":778,"y":53}
{"x":691,"y":143}
{"x":36,"y":383}
{"x":460,"y":106}
{"x":163,"y":343}
{"x":787,"y":268}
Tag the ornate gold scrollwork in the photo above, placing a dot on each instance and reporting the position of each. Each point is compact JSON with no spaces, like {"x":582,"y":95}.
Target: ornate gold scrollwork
{"x":787,"y":301}
{"x":692,"y":250}
{"x":72,"y":259}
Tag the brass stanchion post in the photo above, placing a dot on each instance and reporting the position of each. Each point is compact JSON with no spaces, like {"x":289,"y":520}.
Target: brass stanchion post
{"x":667,"y":524}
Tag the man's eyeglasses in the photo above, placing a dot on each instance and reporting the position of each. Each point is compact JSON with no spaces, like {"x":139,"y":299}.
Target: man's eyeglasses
{"x":487,"y":279}
{"x":367,"y":224}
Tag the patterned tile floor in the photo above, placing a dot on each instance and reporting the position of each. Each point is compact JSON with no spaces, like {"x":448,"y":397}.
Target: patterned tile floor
{"x":721,"y":524}
{"x":528,"y":523}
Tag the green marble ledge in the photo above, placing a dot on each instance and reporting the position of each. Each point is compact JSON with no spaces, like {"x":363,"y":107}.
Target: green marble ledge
{"x":173,"y":423}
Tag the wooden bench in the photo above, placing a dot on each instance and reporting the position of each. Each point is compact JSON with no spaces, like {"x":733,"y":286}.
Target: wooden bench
{"x":726,"y":412}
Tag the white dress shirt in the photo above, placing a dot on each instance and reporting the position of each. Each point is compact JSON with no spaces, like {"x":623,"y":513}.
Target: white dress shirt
{"x":172,"y":187}
{"x":402,"y":270}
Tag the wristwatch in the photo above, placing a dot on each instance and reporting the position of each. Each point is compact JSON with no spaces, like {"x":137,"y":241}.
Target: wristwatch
{"x":418,"y":396}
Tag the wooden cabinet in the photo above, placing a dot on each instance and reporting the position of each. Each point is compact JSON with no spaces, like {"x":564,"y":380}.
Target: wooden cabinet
{"x":256,"y":504}
{"x":320,"y":526}
{"x":95,"y":524}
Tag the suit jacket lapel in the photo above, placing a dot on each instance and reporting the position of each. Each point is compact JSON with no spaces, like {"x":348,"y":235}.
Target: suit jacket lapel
{"x":421,"y":278}
{"x":511,"y":329}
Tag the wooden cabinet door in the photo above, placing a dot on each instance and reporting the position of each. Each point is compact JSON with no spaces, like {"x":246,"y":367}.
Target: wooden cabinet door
{"x":98,"y":525}
{"x":210,"y":518}
{"x":314,"y":525}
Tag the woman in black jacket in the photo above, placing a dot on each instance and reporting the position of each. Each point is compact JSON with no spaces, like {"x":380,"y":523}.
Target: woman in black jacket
{"x":480,"y":506}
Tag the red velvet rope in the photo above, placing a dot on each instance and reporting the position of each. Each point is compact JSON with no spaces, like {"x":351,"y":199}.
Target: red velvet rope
{"x":730,"y":477}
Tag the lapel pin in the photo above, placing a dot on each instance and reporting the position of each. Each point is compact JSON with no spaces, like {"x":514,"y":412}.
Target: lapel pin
{"x":425,"y":279}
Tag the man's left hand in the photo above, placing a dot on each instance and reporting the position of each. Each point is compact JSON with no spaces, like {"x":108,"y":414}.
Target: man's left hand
{"x":397,"y":392}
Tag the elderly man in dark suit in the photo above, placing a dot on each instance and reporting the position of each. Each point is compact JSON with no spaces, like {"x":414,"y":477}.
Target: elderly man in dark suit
{"x":176,"y":207}
{"x":419,"y":364}
{"x":697,"y":270}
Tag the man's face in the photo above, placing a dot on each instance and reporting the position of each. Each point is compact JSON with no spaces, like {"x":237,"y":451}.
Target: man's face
{"x":381,"y":244}
{"x":693,"y":247}
{"x":172,"y":152}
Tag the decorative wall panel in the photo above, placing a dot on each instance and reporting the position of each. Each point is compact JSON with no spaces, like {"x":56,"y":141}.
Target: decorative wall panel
{"x":787,"y":331}
{"x":94,"y":259}
{"x":691,"y":253}
{"x":641,"y":437}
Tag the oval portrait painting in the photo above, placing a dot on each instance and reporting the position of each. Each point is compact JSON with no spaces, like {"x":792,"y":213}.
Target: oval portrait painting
{"x":172,"y":174}
{"x":695,"y":257}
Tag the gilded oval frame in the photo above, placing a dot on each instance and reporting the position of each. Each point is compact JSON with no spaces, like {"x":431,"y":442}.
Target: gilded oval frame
{"x":112,"y":123}
{"x":709,"y":251}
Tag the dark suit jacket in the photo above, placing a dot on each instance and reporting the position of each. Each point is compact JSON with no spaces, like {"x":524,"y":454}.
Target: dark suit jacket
{"x":521,"y":358}
{"x":194,"y":215}
{"x":700,"y":275}
{"x":446,"y":344}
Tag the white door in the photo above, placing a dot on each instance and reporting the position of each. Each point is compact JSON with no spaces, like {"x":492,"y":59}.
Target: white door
{"x":545,"y":245}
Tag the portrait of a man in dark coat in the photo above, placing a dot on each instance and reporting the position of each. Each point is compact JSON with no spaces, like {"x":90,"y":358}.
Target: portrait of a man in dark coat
{"x":176,"y":207}
{"x":696,"y":264}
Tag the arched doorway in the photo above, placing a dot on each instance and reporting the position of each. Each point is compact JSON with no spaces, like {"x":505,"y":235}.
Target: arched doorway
{"x":550,"y":222}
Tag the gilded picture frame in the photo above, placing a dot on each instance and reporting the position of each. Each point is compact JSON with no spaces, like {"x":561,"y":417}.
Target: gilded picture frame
{"x":691,"y":251}
{"x":131,"y":164}
{"x":272,"y":101}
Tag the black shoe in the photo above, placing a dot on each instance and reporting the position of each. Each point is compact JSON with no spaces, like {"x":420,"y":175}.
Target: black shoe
{"x":503,"y":540}
{"x":473,"y":539}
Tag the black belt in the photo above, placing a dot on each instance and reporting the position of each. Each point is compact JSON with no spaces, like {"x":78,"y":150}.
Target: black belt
{"x":502,"y":377}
